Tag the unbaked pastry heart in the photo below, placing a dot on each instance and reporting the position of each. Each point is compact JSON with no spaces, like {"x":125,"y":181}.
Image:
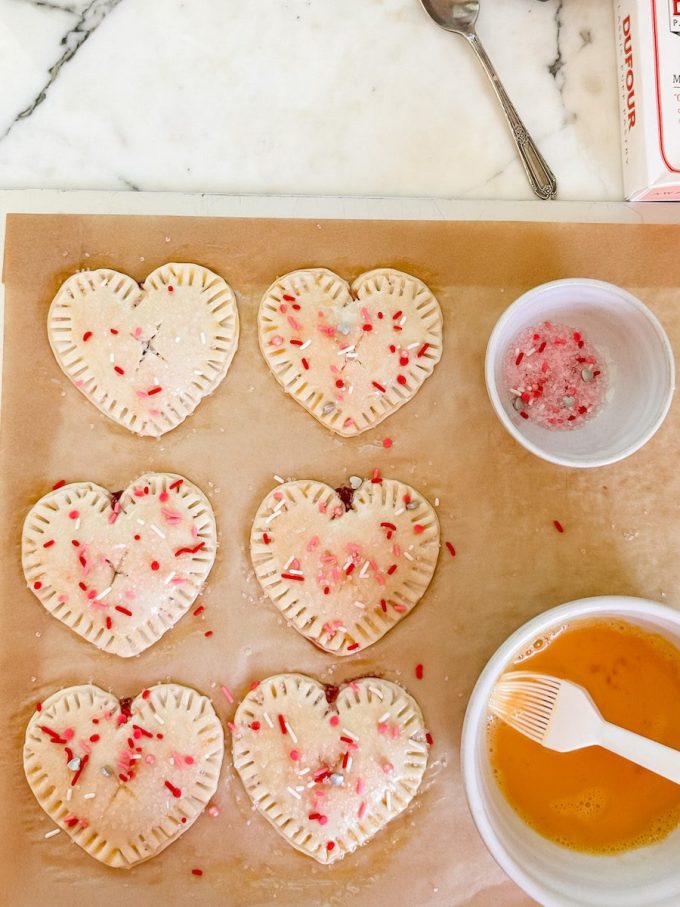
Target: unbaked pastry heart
{"x":120,"y":569}
{"x":125,"y":778}
{"x":145,"y":357}
{"x":329,"y":776}
{"x":350,"y":356}
{"x":343,"y":578}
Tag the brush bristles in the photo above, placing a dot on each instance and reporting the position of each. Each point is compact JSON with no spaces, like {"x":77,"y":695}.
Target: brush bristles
{"x":525,"y":701}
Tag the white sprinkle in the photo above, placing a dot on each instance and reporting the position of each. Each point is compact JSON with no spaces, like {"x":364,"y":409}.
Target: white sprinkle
{"x":158,"y":718}
{"x":388,"y":798}
{"x":77,"y":524}
{"x":169,"y":578}
{"x":89,"y":796}
{"x":279,"y":479}
{"x":305,"y":344}
{"x":272,"y":516}
{"x":69,"y":793}
{"x":296,"y":572}
{"x":197,"y":371}
{"x":376,"y":692}
{"x":436,"y":502}
{"x":412,"y":346}
{"x":383,"y":718}
{"x":299,"y":787}
{"x":289,"y":562}
{"x":400,"y":511}
{"x":346,"y":351}
{"x":141,"y":522}
{"x":350,"y":389}
{"x":291,"y":732}
{"x":349,"y":734}
{"x":280,"y":505}
{"x":112,"y":358}
{"x":135,"y":756}
{"x":347,"y":563}
{"x":409,"y":557}
{"x":361,"y":605}
{"x":364,"y":568}
{"x":177,"y":339}
{"x":303,"y":772}
{"x":293,"y":793}
{"x":104,"y":282}
{"x":348,"y":767}
{"x":203,"y":340}
{"x":155,"y":529}
{"x":268,"y":719}
{"x":51,"y":834}
{"x":402,"y":321}
{"x":103,"y":594}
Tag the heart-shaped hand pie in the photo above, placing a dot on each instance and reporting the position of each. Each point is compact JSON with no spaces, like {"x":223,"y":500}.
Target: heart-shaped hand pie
{"x":124,"y":778}
{"x":145,"y":357}
{"x":120,"y":569}
{"x":350,"y":356}
{"x":344,"y":566}
{"x":329,"y":776}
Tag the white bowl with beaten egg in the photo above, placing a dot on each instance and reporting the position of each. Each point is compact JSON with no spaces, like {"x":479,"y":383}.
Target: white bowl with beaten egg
{"x":556,"y":876}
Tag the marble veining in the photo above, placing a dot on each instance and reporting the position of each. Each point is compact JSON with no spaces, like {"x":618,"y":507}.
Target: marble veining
{"x":360,"y":97}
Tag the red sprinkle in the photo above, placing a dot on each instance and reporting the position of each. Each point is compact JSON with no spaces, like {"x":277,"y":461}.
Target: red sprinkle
{"x":294,"y":576}
{"x":282,"y":724}
{"x":73,"y":515}
{"x":197,"y":872}
{"x":175,"y":791}
{"x":401,"y":379}
{"x":37,"y":584}
{"x":383,"y":605}
{"x":288,"y":298}
{"x":391,"y":526}
{"x":265,"y":538}
{"x":294,"y":755}
{"x":154,"y":390}
{"x":387,"y":443}
{"x":199,"y":610}
{"x":558,"y":525}
{"x":176,"y":484}
{"x":83,"y":763}
{"x":119,"y":370}
{"x":146,"y":694}
{"x":334,"y":721}
{"x":208,"y":633}
{"x":305,"y":363}
{"x":109,"y":623}
{"x":255,"y":725}
{"x":94,"y":738}
{"x":428,"y":738}
{"x":86,"y":336}
{"x":171,"y":289}
{"x":423,"y":349}
{"x":58,"y":484}
{"x":419,"y":671}
{"x":350,"y":569}
{"x":124,"y":610}
{"x":353,"y":647}
{"x":418,"y":528}
{"x":113,"y":330}
{"x":368,"y":327}
{"x":392,"y":569}
{"x":155,"y":565}
{"x":330,"y":845}
{"x":519,"y":358}
{"x":451,"y":549}
{"x":38,"y":706}
{"x":189,"y":550}
{"x":48,"y":544}
{"x":378,"y":387}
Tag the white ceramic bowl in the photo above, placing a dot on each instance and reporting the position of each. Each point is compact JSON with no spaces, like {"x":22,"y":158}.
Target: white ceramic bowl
{"x":554,"y":875}
{"x":638,"y":358}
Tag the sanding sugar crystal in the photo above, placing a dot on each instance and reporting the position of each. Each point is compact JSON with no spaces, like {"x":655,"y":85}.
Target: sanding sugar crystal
{"x":555,"y":377}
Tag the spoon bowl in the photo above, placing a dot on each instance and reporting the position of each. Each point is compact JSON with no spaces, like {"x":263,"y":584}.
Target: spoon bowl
{"x":457,"y":16}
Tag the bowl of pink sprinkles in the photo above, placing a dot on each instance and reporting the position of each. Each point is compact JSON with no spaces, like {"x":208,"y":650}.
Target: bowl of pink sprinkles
{"x":580,"y":372}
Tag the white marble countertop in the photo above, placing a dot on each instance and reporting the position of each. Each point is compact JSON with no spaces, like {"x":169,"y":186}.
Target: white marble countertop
{"x":323,"y":97}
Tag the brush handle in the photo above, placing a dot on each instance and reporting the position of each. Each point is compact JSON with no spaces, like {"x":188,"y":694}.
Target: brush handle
{"x":657,"y":757}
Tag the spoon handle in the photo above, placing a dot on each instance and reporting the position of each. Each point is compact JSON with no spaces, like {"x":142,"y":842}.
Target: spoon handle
{"x":540,"y":176}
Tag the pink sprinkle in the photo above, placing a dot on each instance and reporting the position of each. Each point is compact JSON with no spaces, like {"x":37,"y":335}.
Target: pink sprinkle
{"x":227,"y":693}
{"x":362,"y":809}
{"x":334,"y":721}
{"x":276,"y":340}
{"x":294,"y":755}
{"x":360,"y":786}
{"x":213,"y":811}
{"x":388,"y":768}
{"x":313,"y":543}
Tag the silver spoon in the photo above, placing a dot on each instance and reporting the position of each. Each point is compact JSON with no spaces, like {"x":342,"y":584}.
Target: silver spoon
{"x":459,"y":17}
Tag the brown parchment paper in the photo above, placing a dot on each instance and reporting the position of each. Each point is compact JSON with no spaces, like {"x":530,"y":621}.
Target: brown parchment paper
{"x":497,"y":504}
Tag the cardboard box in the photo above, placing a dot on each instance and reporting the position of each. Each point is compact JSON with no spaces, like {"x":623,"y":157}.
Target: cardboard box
{"x":648,"y":48}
